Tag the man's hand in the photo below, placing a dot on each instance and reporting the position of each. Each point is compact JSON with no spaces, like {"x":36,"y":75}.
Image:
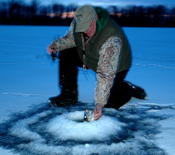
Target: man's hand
{"x":98,"y":111}
{"x":51,"y":49}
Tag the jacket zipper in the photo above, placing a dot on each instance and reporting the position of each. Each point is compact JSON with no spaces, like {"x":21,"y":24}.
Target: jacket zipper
{"x":84,"y":54}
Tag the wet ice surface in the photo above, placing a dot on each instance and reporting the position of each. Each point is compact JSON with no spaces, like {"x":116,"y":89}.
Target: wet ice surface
{"x":44,"y":130}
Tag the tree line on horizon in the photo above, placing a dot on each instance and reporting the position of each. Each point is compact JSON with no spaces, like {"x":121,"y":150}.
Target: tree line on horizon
{"x":17,"y":12}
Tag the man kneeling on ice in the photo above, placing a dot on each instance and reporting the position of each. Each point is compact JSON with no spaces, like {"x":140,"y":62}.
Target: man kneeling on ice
{"x":95,"y":41}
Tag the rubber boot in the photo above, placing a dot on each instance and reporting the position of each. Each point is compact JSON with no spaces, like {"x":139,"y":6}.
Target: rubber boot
{"x":69,"y":93}
{"x":68,"y":71}
{"x":137,"y":91}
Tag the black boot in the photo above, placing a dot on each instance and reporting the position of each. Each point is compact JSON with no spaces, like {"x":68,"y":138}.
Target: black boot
{"x":68,"y":71}
{"x":137,"y":91}
{"x":68,"y":96}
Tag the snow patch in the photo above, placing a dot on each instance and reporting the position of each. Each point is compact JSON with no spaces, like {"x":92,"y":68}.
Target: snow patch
{"x":68,"y":127}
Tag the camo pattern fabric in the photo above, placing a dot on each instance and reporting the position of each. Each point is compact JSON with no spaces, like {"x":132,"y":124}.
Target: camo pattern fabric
{"x":107,"y":68}
{"x":66,"y":41}
{"x":107,"y":65}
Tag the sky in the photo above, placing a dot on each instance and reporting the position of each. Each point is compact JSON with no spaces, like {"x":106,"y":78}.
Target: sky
{"x":104,"y":3}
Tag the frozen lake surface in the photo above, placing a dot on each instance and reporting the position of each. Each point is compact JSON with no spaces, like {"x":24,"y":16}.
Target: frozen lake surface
{"x":29,"y":77}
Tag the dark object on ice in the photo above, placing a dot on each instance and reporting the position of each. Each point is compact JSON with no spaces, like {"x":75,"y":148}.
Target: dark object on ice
{"x":69,"y":94}
{"x":66,"y":98}
{"x":68,"y":72}
{"x":67,"y":82}
{"x":137,"y":91}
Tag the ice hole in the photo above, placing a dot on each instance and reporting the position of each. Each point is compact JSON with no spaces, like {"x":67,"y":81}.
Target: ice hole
{"x":77,"y":116}
{"x":70,"y":126}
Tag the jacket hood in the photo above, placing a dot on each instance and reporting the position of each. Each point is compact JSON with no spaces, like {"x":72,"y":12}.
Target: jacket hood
{"x":103,"y":17}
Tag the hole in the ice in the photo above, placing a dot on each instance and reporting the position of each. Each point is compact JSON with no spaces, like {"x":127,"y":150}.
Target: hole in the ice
{"x":70,"y":126}
{"x":78,"y":120}
{"x":77,"y":116}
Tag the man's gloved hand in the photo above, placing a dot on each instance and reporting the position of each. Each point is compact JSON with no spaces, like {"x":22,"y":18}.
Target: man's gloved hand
{"x":51,"y":49}
{"x":98,"y":111}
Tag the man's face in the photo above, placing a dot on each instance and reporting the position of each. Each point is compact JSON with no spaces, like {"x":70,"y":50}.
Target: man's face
{"x":92,"y":28}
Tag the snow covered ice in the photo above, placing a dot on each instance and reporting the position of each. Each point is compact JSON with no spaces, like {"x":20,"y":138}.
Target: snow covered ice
{"x":29,"y":77}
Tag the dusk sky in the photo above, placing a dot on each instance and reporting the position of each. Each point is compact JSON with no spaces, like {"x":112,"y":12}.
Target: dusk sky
{"x":106,"y":3}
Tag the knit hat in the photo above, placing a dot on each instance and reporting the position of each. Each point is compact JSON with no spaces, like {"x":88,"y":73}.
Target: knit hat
{"x":83,"y":16}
